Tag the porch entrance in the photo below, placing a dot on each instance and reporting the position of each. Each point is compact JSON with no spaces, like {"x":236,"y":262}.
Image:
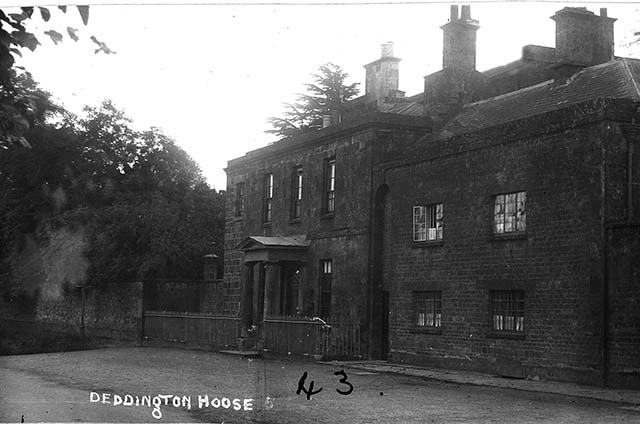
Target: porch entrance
{"x":279,"y":302}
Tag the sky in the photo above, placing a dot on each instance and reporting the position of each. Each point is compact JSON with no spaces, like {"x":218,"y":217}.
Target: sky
{"x":210,"y":75}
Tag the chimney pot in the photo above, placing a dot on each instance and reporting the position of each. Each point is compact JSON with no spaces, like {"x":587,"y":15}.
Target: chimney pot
{"x":454,"y":12}
{"x":387,"y":49}
{"x":603,"y":12}
{"x":466,"y":13}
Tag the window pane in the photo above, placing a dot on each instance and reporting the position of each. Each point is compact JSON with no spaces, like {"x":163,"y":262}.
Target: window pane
{"x":498,"y":219}
{"x":419,"y":223}
{"x":521,"y":211}
{"x":510,"y":203}
{"x":509,"y":223}
{"x":439,"y":221}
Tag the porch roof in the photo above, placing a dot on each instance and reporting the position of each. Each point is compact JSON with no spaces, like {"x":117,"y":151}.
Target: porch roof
{"x":277,"y":242}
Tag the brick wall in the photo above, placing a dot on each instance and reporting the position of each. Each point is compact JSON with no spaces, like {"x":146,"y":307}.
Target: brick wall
{"x":557,"y":264}
{"x":624,"y":305}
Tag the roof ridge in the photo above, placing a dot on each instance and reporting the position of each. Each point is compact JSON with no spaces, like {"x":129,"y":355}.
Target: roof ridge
{"x":566,"y":82}
{"x":629,"y":73}
{"x":511,"y":93}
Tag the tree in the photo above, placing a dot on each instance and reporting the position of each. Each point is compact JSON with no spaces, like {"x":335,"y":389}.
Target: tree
{"x":133,"y":201}
{"x":327,"y":96}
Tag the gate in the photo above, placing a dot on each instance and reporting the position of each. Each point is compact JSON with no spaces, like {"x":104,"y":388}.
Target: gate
{"x":313,"y":338}
{"x":192,"y":329}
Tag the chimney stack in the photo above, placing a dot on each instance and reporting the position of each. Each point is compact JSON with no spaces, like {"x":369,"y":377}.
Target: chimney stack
{"x":582,"y":37}
{"x":459,"y":40}
{"x":382,"y":76}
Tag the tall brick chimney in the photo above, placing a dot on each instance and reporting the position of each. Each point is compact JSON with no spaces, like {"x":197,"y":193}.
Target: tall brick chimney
{"x":459,"y":43}
{"x":383,"y":75}
{"x":583,"y":37}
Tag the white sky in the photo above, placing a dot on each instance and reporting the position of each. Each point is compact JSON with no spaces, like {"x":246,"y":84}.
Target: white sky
{"x":210,"y":75}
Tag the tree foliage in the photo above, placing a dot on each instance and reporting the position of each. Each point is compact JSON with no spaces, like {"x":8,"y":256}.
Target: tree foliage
{"x":137,"y":198}
{"x":326,"y":96}
{"x":17,"y":106}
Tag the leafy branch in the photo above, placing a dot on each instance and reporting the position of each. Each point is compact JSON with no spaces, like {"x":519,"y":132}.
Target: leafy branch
{"x":17,"y":106}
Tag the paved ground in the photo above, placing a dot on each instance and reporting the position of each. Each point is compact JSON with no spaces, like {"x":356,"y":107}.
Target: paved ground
{"x":629,"y":397}
{"x":58,"y":386}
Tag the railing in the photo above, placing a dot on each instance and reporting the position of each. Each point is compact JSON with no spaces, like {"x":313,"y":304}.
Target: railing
{"x":191,"y":329}
{"x":313,"y":337}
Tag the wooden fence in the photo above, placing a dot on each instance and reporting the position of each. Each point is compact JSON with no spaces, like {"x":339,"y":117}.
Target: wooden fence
{"x":192,"y":329}
{"x":312,"y":337}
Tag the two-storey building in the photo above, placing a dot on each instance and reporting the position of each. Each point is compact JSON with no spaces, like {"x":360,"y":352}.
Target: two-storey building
{"x":490,"y":223}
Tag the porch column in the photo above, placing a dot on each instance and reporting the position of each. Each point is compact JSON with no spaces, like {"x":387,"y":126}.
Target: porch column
{"x":270,"y":283}
{"x":301,"y":286}
{"x":246,"y":298}
{"x":257,"y":289}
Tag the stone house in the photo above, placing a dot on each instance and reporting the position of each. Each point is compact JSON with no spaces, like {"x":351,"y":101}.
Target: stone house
{"x":491,"y":222}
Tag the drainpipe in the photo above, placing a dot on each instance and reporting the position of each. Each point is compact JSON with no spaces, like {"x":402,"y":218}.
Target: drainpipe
{"x":82,"y":317}
{"x":605,"y":309}
{"x":604,"y":342}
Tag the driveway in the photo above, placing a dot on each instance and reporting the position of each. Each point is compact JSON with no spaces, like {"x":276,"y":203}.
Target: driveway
{"x":86,"y":385}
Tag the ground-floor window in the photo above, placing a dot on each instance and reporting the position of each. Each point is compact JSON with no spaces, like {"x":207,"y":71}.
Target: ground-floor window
{"x":507,"y":310}
{"x":427,"y":306}
{"x":326,"y":277}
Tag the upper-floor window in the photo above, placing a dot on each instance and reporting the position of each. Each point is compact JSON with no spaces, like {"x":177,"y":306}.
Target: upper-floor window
{"x":268,"y":197}
{"x":239,"y":200}
{"x":330,"y":186}
{"x":296,"y":192}
{"x":509,"y":213}
{"x":427,"y":222}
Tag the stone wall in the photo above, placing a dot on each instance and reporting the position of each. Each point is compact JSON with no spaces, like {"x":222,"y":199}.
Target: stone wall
{"x":553,"y":261}
{"x":112,"y":311}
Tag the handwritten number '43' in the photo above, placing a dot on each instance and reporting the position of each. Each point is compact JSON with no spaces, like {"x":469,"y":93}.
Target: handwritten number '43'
{"x":343,"y":380}
{"x":310,"y":392}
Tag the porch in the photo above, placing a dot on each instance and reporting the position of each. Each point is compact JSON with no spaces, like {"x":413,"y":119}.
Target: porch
{"x":283,"y":309}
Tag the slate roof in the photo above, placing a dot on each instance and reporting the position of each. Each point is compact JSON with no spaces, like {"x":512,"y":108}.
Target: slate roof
{"x":617,"y":79}
{"x":262,"y":242}
{"x":531,"y":56}
{"x":407,"y":108}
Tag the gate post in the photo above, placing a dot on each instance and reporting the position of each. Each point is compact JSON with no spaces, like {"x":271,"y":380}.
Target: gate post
{"x":141,"y":303}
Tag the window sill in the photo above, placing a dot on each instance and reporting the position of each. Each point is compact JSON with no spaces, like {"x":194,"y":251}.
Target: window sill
{"x":295,"y":221}
{"x":266,"y":224}
{"x":506,"y":335}
{"x":426,"y":330}
{"x":522,"y":235}
{"x":427,"y":243}
{"x":328,"y":215}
